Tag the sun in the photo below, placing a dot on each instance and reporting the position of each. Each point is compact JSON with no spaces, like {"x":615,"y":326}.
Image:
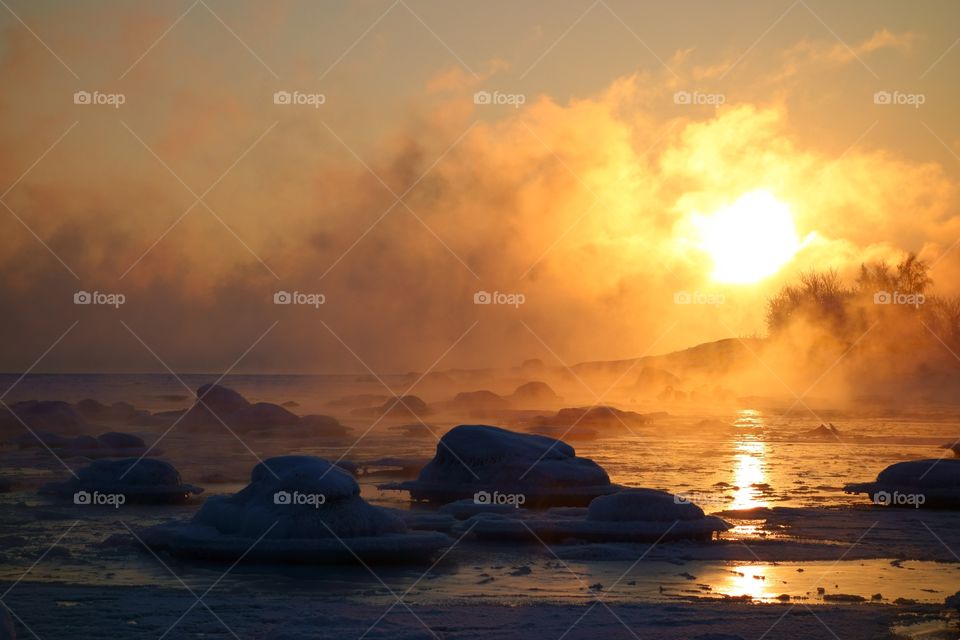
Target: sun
{"x":749,"y":239}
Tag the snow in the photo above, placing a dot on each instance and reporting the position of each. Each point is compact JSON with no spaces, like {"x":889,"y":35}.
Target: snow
{"x":472,"y":458}
{"x":301,"y":509}
{"x":139,"y":480}
{"x":277,"y":612}
{"x":936,"y":481}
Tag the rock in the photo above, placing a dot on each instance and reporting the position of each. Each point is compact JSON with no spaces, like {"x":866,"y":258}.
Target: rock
{"x":221,"y":400}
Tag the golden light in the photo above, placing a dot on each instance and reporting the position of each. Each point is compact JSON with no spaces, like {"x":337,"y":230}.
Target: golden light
{"x":749,"y":239}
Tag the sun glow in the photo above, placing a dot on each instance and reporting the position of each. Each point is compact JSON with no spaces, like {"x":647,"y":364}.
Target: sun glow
{"x":749,"y":239}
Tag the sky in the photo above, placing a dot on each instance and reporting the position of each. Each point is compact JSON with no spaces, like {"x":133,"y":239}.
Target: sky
{"x":151,"y":156}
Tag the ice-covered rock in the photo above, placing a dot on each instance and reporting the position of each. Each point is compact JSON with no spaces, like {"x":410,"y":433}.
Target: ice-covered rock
{"x":320,"y":425}
{"x":301,"y":509}
{"x":221,"y":400}
{"x":399,"y":407}
{"x":534,"y":392}
{"x":824,"y":431}
{"x":116,"y":413}
{"x":931,"y":484}
{"x":262,"y":415}
{"x":138,"y":480}
{"x":47,"y":415}
{"x":40,"y":439}
{"x":108,"y":445}
{"x":603,"y":419}
{"x":631,"y":515}
{"x":359,"y":400}
{"x":481,"y":458}
{"x":217,"y":406}
{"x":482,"y":399}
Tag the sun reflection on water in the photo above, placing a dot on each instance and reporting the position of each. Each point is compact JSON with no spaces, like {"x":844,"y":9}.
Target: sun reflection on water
{"x":747,"y":581}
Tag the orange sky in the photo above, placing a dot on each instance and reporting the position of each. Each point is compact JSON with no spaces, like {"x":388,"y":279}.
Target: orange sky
{"x":198,"y":198}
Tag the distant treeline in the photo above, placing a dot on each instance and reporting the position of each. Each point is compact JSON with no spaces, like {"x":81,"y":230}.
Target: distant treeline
{"x":896,"y":302}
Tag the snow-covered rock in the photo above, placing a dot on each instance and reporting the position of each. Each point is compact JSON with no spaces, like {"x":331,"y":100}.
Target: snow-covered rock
{"x":217,"y":406}
{"x":47,"y":415}
{"x":401,"y":407}
{"x":481,"y":458}
{"x":533,"y":392}
{"x":108,"y":445}
{"x":301,"y":509}
{"x":931,"y":484}
{"x":138,"y":480}
{"x":262,"y":415}
{"x":482,"y":399}
{"x":116,"y":413}
{"x":631,"y":515}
